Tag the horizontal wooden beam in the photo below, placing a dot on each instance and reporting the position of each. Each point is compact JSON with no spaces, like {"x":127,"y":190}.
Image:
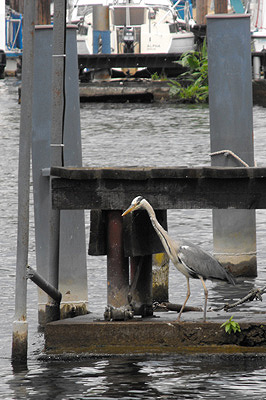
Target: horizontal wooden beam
{"x":164,"y":188}
{"x":166,"y":60}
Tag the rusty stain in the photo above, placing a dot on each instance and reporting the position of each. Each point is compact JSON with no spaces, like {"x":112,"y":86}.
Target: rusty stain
{"x":73,"y":310}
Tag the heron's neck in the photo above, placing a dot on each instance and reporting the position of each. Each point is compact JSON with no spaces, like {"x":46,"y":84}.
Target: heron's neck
{"x":163,"y":235}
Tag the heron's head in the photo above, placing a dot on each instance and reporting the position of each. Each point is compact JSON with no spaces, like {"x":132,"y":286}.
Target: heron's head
{"x":135,"y":205}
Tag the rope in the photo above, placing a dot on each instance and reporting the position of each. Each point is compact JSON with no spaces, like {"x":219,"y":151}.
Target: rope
{"x":226,"y":152}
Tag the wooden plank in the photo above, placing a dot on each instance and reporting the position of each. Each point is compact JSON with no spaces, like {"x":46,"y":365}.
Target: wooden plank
{"x":163,"y":193}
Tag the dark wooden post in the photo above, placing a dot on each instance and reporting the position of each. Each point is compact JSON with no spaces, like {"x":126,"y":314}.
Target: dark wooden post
{"x":17,"y":5}
{"x":117,"y":263}
{"x":43,"y":15}
{"x":220,"y":7}
{"x":201,"y":11}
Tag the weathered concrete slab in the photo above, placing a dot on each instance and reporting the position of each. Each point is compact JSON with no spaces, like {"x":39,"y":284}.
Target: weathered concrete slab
{"x":86,"y":334}
{"x":165,"y":188}
{"x":146,"y":90}
{"x":125,"y":89}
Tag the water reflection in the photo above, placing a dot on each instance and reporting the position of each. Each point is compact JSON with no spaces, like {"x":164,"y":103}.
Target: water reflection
{"x":164,"y":135}
{"x":157,"y":378}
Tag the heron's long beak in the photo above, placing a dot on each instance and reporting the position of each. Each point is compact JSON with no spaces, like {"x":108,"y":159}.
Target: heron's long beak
{"x":130,"y":208}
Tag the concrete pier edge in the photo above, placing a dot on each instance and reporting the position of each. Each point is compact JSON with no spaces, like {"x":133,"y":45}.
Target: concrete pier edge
{"x":153,"y":336}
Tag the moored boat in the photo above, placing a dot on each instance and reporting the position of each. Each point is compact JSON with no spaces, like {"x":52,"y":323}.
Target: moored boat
{"x":131,"y":26}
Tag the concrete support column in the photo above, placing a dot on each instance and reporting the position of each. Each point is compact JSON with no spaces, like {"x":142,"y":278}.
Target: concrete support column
{"x":231,"y":127}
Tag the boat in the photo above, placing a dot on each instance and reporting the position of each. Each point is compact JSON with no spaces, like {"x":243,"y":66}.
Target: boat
{"x":132,"y":26}
{"x":257,"y":10}
{"x":11,"y":45}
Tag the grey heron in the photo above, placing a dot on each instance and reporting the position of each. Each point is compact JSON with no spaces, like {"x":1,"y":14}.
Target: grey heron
{"x":188,"y":258}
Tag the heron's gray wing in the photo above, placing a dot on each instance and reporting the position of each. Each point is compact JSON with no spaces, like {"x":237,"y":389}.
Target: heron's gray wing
{"x":200,"y":262}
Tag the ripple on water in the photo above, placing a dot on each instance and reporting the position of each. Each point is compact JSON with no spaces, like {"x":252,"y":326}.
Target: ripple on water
{"x":124,"y":134}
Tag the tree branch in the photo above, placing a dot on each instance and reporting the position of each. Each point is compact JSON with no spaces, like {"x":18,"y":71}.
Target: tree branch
{"x":254,"y":294}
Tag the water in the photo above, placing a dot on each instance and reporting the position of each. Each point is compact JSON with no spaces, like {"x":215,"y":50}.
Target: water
{"x":126,"y":134}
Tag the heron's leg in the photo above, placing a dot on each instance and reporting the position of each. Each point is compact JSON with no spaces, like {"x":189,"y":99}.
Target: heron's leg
{"x":185,"y":302}
{"x":206,"y":298}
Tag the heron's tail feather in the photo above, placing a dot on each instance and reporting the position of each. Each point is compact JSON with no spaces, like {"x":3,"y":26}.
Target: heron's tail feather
{"x":229,"y":277}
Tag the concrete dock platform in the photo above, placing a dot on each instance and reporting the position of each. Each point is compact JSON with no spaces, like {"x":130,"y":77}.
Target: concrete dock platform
{"x":121,"y":90}
{"x":145,"y":90}
{"x":159,"y":334}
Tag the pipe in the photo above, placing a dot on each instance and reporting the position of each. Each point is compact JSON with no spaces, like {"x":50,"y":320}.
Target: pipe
{"x":44,"y":285}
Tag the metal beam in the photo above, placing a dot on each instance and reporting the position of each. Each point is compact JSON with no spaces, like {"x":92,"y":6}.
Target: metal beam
{"x":160,"y":60}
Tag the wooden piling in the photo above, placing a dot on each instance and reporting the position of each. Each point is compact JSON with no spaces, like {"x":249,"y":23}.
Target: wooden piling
{"x":220,"y":7}
{"x":43,"y":13}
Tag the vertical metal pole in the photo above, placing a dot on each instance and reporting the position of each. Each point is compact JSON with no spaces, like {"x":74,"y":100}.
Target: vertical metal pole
{"x":58,"y":104}
{"x":231,"y":126}
{"x":117,"y":263}
{"x":141,"y":285}
{"x":20,"y":325}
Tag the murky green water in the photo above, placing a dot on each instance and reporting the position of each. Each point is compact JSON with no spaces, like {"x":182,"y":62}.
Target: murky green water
{"x":126,"y":134}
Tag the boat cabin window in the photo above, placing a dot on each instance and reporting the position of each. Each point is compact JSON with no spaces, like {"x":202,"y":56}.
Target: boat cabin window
{"x":136,"y":16}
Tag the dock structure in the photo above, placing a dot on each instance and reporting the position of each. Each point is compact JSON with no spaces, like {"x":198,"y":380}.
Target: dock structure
{"x":63,"y":189}
{"x":111,"y":190}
